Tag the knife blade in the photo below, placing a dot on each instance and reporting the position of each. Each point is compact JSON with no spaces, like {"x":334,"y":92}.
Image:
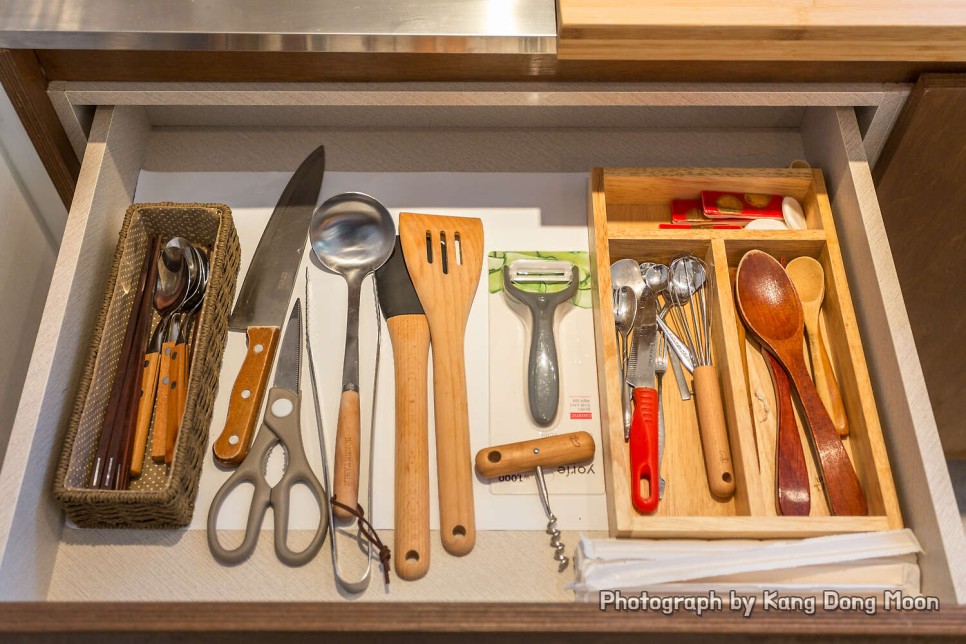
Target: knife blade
{"x":643,"y":442}
{"x":409,"y":331}
{"x":263,"y":303}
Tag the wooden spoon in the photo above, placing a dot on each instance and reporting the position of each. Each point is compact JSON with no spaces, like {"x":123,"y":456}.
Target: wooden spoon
{"x":808,"y":276}
{"x":770,"y":307}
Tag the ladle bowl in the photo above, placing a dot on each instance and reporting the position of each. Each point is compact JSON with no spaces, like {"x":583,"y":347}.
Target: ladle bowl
{"x":352,"y":232}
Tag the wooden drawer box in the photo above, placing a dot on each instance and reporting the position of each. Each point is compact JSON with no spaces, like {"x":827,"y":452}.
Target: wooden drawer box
{"x":506,"y":129}
{"x":626,"y":206}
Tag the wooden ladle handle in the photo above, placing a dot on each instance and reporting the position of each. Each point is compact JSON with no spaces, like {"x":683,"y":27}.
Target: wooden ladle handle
{"x":345,"y":483}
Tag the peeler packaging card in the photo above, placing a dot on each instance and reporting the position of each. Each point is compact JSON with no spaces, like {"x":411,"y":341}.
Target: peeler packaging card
{"x":511,"y":330}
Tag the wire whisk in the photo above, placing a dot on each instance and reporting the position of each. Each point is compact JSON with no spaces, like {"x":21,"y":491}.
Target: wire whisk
{"x":691,"y":292}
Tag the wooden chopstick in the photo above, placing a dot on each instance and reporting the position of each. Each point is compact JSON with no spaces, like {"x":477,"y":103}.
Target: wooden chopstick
{"x":135,"y":369}
{"x":105,"y":460}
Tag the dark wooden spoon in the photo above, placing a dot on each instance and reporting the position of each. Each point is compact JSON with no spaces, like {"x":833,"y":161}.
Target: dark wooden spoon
{"x":771,"y":309}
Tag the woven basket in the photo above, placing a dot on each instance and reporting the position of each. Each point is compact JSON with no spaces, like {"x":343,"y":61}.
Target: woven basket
{"x":164,"y":495}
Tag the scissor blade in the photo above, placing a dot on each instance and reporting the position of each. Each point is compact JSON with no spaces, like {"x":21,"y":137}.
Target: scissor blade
{"x":288,"y":369}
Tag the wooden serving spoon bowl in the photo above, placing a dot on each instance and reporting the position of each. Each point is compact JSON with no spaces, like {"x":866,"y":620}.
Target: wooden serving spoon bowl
{"x":772,"y":310}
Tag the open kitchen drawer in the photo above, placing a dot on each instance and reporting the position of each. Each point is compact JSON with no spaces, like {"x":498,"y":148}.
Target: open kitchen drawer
{"x":435,"y":128}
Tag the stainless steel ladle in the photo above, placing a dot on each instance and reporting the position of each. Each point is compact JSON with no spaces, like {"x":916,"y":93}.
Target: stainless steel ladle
{"x":351,"y":234}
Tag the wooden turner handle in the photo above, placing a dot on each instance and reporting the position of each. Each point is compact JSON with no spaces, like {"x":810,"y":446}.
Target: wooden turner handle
{"x":457,"y":523}
{"x":410,"y":350}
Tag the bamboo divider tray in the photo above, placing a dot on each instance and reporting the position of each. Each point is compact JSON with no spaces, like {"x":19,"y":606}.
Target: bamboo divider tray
{"x":626,"y":206}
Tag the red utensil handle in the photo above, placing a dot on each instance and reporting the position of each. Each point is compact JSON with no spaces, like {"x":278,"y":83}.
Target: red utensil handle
{"x":643,"y":446}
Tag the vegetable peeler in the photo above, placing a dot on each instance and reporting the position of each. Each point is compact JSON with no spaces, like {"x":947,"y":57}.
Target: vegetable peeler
{"x":543,"y":374}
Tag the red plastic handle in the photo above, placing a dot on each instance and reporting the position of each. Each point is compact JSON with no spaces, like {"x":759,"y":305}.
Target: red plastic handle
{"x":643,"y":446}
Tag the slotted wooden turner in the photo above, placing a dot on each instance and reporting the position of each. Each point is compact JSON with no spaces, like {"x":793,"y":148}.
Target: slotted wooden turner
{"x":444,"y":256}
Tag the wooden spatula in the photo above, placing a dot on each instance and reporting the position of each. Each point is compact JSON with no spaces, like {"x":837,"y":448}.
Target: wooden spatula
{"x":410,"y":352}
{"x":444,"y":256}
{"x":770,"y":306}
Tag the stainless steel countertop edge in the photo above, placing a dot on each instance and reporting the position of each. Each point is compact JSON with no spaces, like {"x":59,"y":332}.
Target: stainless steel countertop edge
{"x":364,"y":26}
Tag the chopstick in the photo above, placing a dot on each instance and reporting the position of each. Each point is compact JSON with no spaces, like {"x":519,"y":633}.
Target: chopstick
{"x":133,"y":382}
{"x":135,"y":369}
{"x":113,"y":432}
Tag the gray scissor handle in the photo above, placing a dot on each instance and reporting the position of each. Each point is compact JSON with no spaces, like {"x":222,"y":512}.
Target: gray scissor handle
{"x":282,"y":416}
{"x":251,"y":471}
{"x":281,"y":425}
{"x":543,"y":374}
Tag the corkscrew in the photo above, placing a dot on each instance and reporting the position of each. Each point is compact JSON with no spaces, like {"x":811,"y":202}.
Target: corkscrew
{"x":535,"y":455}
{"x":558,"y":547}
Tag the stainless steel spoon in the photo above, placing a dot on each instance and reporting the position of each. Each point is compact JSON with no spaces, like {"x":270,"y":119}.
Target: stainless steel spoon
{"x":178,"y":336}
{"x":627,"y":272}
{"x":625,"y":310}
{"x":170,"y":291}
{"x":353,"y":235}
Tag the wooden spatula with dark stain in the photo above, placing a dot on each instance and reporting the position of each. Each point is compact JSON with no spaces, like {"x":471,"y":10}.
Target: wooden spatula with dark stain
{"x":771,"y":309}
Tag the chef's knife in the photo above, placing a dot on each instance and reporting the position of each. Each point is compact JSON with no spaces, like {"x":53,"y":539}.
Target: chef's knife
{"x":263,"y":303}
{"x":409,"y":331}
{"x":644,"y":424}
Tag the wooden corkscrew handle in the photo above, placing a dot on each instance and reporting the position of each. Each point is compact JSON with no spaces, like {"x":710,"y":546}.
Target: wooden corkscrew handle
{"x":526,"y":456}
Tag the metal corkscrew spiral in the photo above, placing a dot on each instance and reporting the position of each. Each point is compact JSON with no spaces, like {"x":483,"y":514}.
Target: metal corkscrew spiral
{"x":555,"y":543}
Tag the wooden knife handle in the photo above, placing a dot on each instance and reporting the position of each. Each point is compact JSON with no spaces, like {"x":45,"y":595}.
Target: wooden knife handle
{"x":526,"y":456}
{"x":345,"y":483}
{"x":828,"y":386}
{"x":164,"y":400}
{"x":454,"y":469}
{"x":842,"y":487}
{"x":792,"y":488}
{"x":714,"y":432}
{"x":149,"y":387}
{"x":410,"y":350}
{"x":175,"y":400}
{"x":232,"y":445}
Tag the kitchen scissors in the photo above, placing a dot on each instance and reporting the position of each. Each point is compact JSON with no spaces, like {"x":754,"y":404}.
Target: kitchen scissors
{"x":280,"y":426}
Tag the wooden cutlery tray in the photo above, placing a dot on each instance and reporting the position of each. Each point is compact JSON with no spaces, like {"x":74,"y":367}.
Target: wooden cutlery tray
{"x":163,"y":496}
{"x":626,"y":206}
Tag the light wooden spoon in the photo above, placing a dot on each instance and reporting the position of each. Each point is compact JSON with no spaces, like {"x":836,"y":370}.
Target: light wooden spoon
{"x":809,"y":279}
